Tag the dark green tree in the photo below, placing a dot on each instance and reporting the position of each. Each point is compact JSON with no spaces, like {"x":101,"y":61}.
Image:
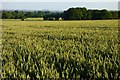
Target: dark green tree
{"x":114,"y":14}
{"x":89,"y":14}
{"x":105,"y":14}
{"x":73,"y":14}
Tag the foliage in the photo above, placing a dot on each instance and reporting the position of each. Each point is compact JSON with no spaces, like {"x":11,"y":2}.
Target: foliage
{"x":70,"y":14}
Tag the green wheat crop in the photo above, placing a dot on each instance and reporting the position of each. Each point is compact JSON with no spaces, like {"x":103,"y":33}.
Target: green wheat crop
{"x":60,"y":49}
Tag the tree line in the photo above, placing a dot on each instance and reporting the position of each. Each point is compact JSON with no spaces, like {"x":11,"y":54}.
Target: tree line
{"x":84,"y":14}
{"x":16,"y":14}
{"x":70,"y":14}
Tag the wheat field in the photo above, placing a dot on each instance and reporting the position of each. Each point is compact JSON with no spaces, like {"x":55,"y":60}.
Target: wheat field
{"x":60,"y":49}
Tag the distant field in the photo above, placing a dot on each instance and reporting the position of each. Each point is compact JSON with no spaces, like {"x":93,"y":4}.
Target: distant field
{"x":34,"y":19}
{"x":26,"y":19}
{"x":60,"y":49}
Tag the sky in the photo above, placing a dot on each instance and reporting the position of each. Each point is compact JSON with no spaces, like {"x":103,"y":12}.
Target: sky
{"x":59,"y":0}
{"x":60,"y":6}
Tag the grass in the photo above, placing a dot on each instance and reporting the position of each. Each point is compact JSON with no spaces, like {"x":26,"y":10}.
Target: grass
{"x":60,"y":49}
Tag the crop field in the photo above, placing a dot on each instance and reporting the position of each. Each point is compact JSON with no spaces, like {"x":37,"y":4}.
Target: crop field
{"x":60,"y":49}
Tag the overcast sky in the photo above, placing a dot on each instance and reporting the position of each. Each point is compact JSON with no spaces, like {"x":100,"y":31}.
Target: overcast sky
{"x":58,"y":5}
{"x":59,"y":0}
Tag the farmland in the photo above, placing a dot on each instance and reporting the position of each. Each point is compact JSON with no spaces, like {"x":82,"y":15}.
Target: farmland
{"x":60,"y":49}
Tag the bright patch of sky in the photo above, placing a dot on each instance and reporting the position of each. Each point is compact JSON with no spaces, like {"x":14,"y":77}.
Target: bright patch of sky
{"x":61,"y":6}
